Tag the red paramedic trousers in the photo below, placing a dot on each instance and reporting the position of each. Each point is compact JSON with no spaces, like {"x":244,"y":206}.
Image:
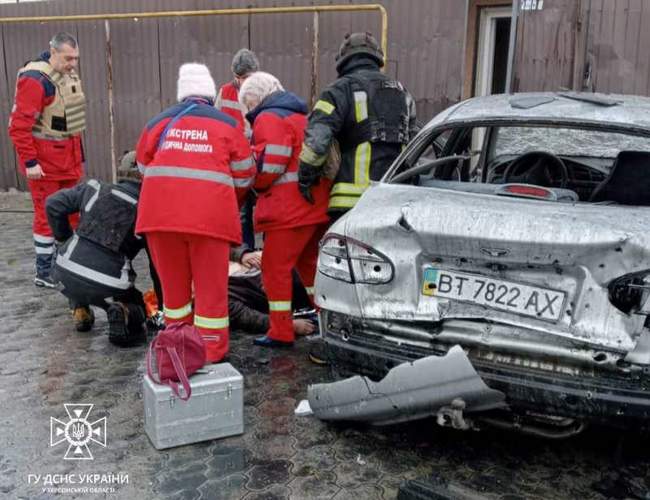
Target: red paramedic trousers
{"x":285,"y":249}
{"x":183,"y":260}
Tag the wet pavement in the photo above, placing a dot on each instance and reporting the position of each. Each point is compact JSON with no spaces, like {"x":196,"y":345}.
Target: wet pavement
{"x":44,"y":363}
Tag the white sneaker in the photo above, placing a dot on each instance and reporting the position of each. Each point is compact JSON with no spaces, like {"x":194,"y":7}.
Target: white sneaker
{"x":44,"y":282}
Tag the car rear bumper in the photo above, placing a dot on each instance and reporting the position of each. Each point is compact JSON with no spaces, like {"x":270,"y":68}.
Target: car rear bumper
{"x":597,"y":395}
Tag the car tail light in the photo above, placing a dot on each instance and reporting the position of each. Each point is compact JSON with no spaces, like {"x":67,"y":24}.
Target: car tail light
{"x":631,"y":293}
{"x":333,"y":259}
{"x":348,"y":260}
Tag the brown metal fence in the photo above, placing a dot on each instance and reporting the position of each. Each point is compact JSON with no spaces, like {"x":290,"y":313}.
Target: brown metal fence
{"x":594,"y":45}
{"x":598,"y":45}
{"x":618,"y":45}
{"x":547,"y":40}
{"x":143,"y":55}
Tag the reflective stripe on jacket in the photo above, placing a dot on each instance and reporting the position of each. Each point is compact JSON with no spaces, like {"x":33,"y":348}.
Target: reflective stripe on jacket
{"x":228,"y":103}
{"x":196,"y":175}
{"x":340,"y":112}
{"x":90,"y":259}
{"x":278,"y":132}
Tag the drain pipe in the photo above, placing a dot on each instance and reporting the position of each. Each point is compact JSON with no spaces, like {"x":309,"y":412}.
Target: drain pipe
{"x":512,"y":45}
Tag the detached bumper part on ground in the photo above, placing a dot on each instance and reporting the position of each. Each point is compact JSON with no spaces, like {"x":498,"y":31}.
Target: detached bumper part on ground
{"x":444,"y":386}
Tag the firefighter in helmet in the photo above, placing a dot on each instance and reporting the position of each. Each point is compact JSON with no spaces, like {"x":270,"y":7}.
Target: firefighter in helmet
{"x":369,"y":114}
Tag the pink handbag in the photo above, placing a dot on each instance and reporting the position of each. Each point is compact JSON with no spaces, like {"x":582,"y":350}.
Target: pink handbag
{"x":179,"y":352}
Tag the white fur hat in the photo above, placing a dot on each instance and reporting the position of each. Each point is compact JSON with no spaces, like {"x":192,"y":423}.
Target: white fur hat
{"x":194,"y":79}
{"x":257,"y":87}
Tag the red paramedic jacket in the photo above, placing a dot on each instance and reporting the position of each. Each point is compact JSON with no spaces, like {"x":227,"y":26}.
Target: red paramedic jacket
{"x":60,"y":159}
{"x":278,"y":130}
{"x":228,"y":102}
{"x":196,"y":175}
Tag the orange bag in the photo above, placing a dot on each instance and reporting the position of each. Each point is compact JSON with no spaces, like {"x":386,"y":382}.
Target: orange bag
{"x":151,"y":302}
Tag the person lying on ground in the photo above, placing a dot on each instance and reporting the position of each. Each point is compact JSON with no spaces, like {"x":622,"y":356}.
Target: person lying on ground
{"x":248,"y":305}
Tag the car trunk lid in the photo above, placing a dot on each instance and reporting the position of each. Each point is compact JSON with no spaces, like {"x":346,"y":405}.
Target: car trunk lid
{"x":571,"y":250}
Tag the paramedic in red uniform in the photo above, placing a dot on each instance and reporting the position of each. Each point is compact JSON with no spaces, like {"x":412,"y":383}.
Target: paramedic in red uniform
{"x":292,"y":227}
{"x":244,"y":63}
{"x":197,"y":166}
{"x":45,"y":127}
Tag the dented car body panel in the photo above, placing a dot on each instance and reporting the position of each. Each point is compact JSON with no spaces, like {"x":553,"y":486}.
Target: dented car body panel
{"x":548,"y":298}
{"x":453,"y":231}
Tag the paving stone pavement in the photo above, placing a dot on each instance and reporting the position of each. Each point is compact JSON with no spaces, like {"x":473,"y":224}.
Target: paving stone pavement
{"x":44,"y":363}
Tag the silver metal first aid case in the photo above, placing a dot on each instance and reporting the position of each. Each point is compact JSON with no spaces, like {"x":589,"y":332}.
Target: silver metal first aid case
{"x":215,"y":409}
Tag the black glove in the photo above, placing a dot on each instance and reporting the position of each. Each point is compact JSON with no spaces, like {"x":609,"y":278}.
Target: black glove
{"x":305,"y":191}
{"x":308,"y":176}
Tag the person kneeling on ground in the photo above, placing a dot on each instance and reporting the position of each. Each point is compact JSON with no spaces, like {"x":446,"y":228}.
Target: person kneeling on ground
{"x":93,"y":264}
{"x":248,"y":305}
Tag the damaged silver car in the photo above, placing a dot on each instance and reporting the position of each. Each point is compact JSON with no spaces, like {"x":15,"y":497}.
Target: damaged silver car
{"x":518,"y":228}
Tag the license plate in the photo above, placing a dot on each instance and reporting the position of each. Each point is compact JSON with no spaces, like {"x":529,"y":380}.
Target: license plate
{"x":519,"y":298}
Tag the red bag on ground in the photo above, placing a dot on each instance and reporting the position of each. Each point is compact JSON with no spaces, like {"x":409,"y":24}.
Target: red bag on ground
{"x":179,"y":351}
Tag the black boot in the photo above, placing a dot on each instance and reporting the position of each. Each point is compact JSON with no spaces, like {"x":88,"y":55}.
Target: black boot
{"x":83,"y":318}
{"x":125,"y":325}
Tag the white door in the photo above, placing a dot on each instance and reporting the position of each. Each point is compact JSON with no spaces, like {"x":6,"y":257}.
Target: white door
{"x":492,"y":41}
{"x":490,"y":49}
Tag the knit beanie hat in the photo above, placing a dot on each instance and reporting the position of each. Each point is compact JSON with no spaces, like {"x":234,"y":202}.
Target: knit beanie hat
{"x":194,"y":79}
{"x":128,"y":166}
{"x":244,"y":62}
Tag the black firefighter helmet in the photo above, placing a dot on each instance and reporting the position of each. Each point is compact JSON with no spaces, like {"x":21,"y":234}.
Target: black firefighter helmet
{"x":359,"y":43}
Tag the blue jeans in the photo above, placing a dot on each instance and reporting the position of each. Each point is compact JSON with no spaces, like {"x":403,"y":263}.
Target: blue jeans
{"x":43,"y":265}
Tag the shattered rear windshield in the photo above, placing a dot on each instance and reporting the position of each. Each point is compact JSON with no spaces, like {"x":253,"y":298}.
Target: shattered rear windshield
{"x":566,"y":142}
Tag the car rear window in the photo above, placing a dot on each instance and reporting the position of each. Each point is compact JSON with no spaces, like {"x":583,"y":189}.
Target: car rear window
{"x":566,"y":142}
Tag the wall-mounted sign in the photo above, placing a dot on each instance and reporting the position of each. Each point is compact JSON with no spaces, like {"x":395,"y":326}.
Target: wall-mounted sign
{"x":532,"y":4}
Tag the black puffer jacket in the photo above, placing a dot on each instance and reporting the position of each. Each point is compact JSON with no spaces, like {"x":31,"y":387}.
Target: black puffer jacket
{"x":101,"y":253}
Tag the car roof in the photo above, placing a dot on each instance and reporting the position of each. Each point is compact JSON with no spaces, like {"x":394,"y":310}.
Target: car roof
{"x":593,"y":110}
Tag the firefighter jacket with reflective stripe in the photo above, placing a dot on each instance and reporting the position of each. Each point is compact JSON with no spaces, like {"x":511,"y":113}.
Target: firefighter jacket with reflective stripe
{"x":47,"y":120}
{"x":101,"y":250}
{"x":371,"y":116}
{"x":278,"y":131}
{"x":197,"y":166}
{"x":228,"y":102}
